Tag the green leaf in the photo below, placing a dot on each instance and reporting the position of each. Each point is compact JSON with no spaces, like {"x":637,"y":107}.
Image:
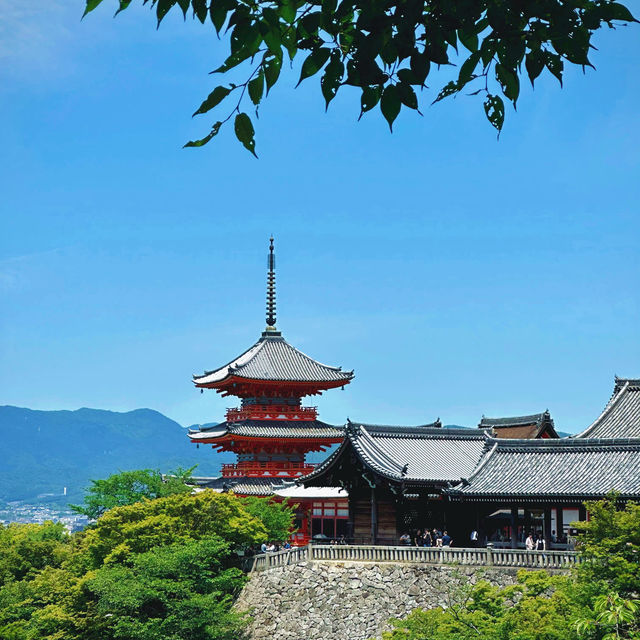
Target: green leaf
{"x":390,"y":104}
{"x":494,"y":109}
{"x":214,"y":98}
{"x":420,"y":65}
{"x":271,"y":36}
{"x":314,"y":63}
{"x":534,"y":63}
{"x":488,"y":49}
{"x":290,"y":41}
{"x":407,"y":76}
{"x":332,"y":79}
{"x":287,"y":11}
{"x":554,"y":63}
{"x":272,"y":71}
{"x":123,"y":5}
{"x":200,"y":9}
{"x":245,"y":132}
{"x":184,"y":5}
{"x":203,"y":141}
{"x":467,"y":69}
{"x":256,"y":88}
{"x":407,"y":95}
{"x":468,"y":39}
{"x":437,"y":52}
{"x":369,"y":98}
{"x":218,"y":14}
{"x":448,"y":90}
{"x":90,"y":6}
{"x":245,"y":39}
{"x":162,"y":8}
{"x":617,"y":11}
{"x":508,"y":81}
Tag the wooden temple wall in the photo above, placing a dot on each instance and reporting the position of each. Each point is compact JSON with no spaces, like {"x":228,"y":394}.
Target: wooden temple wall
{"x":361,"y":510}
{"x":384,"y":514}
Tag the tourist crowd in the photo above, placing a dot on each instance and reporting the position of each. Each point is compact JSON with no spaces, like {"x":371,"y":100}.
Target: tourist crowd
{"x":427,"y":538}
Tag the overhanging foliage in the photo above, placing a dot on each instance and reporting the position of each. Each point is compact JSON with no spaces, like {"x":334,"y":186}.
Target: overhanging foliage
{"x":388,"y":48}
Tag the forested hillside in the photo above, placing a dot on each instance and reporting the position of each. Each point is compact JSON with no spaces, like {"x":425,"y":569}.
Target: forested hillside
{"x":44,"y":451}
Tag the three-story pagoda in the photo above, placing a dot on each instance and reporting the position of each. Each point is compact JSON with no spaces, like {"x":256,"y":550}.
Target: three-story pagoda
{"x":271,"y":432}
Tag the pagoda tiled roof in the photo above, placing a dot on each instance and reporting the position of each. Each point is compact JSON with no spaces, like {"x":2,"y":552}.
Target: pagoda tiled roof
{"x":621,"y":416}
{"x":429,"y":454}
{"x":305,"y":429}
{"x":272,"y":358}
{"x":529,"y":426}
{"x":244,"y":486}
{"x":555,"y":468}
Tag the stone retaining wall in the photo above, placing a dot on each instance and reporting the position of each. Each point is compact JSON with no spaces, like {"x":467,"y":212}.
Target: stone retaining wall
{"x":347,"y":601}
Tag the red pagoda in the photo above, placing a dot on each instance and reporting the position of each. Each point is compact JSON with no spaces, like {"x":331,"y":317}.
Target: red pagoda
{"x":271,"y":431}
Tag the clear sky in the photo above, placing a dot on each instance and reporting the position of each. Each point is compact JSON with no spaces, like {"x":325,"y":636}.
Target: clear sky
{"x":457,"y":275}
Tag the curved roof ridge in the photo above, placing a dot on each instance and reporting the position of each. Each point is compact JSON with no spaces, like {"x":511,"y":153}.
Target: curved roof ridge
{"x":323,"y":466}
{"x":313,"y":360}
{"x":618,"y":394}
{"x":633,"y":382}
{"x":232,"y":363}
{"x":483,"y":461}
{"x":376,"y":456}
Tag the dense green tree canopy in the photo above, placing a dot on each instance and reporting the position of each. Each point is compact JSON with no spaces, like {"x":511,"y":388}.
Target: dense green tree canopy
{"x":128,"y":487}
{"x":160,"y":568}
{"x":387,"y":49}
{"x":277,"y":517}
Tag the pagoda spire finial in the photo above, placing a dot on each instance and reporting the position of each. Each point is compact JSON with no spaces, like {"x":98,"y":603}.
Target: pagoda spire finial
{"x":271,"y":288}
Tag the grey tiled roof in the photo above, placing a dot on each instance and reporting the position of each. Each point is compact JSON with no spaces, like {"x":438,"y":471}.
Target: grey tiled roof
{"x":621,"y":416}
{"x":429,"y":454}
{"x":244,"y":486}
{"x":535,"y":425}
{"x":273,"y":358}
{"x":270,"y":429}
{"x":536,"y":469}
{"x":516,"y":421}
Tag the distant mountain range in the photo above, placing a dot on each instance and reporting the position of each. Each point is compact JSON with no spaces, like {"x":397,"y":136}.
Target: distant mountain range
{"x":41,"y":452}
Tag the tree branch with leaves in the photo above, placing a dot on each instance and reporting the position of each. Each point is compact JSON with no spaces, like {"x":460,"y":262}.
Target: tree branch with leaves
{"x":388,"y":49}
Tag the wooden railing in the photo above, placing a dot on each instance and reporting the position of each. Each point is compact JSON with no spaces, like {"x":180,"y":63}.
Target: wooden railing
{"x":256,"y":469}
{"x":415,"y":555}
{"x":271,"y":412}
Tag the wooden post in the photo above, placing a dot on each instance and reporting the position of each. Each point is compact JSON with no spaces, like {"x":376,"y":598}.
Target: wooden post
{"x":374,"y":516}
{"x":547,"y":527}
{"x":514,"y":527}
{"x":559,"y":523}
{"x":582,"y":513}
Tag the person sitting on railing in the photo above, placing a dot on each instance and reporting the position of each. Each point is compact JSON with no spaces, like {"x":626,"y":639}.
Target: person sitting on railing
{"x":437,"y":536}
{"x":405,"y":539}
{"x":446,"y":540}
{"x":541,"y":544}
{"x":287,"y":546}
{"x":263,"y":547}
{"x":342,"y":540}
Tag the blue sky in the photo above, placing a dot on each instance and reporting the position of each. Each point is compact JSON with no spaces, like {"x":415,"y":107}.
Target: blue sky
{"x":457,"y":275}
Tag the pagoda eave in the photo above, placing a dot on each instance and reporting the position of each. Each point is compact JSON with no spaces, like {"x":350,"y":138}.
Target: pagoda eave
{"x":249,"y":387}
{"x":232,"y":439}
